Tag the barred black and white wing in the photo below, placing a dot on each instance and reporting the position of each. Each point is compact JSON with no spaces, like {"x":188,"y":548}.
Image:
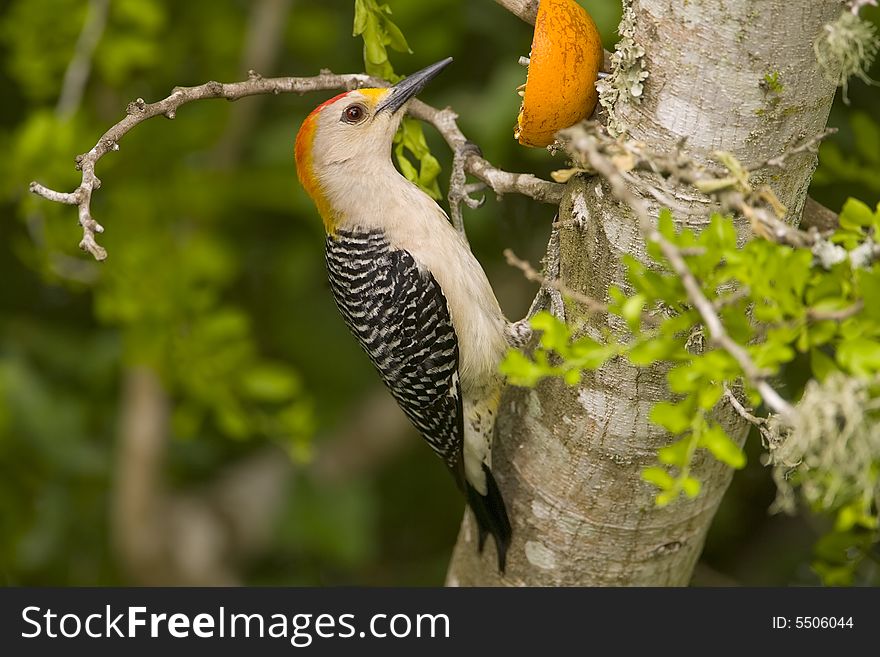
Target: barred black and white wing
{"x":398,"y":314}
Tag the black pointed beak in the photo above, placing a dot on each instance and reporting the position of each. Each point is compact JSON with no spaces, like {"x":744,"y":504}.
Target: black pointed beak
{"x":410,"y":86}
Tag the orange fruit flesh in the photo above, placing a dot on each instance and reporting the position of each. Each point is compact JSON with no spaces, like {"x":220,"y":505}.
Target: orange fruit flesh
{"x":564,"y":65}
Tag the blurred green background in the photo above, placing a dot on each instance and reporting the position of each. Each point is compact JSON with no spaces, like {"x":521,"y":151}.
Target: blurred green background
{"x":193,"y":410}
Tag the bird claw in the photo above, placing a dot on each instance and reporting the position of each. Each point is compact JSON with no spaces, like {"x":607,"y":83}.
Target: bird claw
{"x":471,"y":202}
{"x":519,"y":334}
{"x":548,"y":297}
{"x":552,"y":268}
{"x":459,"y":190}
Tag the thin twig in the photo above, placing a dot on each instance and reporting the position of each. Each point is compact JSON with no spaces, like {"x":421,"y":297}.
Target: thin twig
{"x":836,"y":315}
{"x":588,"y":145}
{"x":592,"y":305}
{"x":526,"y":10}
{"x":741,"y":410}
{"x":137,"y":112}
{"x":729,"y":186}
{"x":501,"y":182}
{"x":760,"y":423}
{"x":810,"y":145}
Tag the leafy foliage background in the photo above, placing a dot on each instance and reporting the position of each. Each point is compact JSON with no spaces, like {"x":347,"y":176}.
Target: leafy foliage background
{"x":216,"y":281}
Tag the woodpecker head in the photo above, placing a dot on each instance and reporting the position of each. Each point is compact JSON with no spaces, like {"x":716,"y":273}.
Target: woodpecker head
{"x":349,"y":137}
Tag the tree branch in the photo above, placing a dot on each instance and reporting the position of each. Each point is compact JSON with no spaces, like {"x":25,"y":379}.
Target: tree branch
{"x":817,"y":216}
{"x":526,"y":10}
{"x":590,"y":304}
{"x":137,"y":112}
{"x":730,"y":186}
{"x":757,"y":378}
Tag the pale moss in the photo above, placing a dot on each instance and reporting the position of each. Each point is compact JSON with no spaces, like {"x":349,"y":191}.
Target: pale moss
{"x":847,"y":48}
{"x":832,"y":451}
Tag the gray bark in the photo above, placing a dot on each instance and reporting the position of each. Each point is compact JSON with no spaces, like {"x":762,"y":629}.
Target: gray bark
{"x":568,"y":459}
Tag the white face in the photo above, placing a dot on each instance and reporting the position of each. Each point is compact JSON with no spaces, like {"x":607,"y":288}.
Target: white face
{"x":351,"y":137}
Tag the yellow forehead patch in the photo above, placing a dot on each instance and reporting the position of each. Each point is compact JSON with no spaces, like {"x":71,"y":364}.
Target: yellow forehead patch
{"x":373,"y":95}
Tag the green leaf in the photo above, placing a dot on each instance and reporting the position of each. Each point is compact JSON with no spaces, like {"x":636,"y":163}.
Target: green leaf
{"x":677,"y":454}
{"x":691,"y":487}
{"x":772,"y":353}
{"x":406,"y":168}
{"x":854,"y":515}
{"x":586,"y":353}
{"x":674,"y":417}
{"x":554,"y":333}
{"x":666,"y":225}
{"x":821,"y":364}
{"x":410,"y":137}
{"x":822,"y":332}
{"x":721,"y":232}
{"x":374,"y":50}
{"x":855,"y":215}
{"x":684,"y":378}
{"x":395,"y":37}
{"x":653,"y":350}
{"x":859,"y":356}
{"x":708,"y":395}
{"x":631,"y":311}
{"x":361,"y":16}
{"x":271,"y":383}
{"x":869,"y":285}
{"x":659,"y":477}
{"x":716,"y":440}
{"x":522,"y":371}
{"x":232,"y":420}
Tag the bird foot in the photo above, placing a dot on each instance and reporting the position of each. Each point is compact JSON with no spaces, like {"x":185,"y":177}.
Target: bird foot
{"x":459,"y":191}
{"x":552,"y":268}
{"x":549,"y":298}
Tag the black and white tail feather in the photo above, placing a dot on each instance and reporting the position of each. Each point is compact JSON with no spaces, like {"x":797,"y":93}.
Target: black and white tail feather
{"x":491,"y":515}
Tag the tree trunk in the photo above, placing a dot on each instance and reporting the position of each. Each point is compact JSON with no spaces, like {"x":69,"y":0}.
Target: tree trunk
{"x":568,"y":459}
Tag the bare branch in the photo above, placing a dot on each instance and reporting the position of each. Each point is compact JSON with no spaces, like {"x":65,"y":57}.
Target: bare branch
{"x":65,"y":198}
{"x":836,"y":315}
{"x":137,"y":112}
{"x":729,"y":186}
{"x":592,"y":305}
{"x":760,"y":423}
{"x":817,"y":216}
{"x":501,"y":182}
{"x":741,"y":410}
{"x":587,"y":144}
{"x":810,"y":145}
{"x":526,"y":10}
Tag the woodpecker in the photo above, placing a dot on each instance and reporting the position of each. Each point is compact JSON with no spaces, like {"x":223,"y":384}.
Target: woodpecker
{"x":408,"y":287}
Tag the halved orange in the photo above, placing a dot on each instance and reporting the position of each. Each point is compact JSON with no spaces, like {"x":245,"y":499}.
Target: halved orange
{"x":563,"y":68}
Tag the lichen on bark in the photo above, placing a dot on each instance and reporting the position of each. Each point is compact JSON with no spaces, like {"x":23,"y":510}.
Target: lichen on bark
{"x":625,"y":83}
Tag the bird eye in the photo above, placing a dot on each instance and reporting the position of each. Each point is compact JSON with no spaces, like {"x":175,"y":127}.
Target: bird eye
{"x":354,"y":114}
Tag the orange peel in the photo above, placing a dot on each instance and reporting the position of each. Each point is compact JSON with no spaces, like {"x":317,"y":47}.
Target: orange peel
{"x":564,"y":65}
